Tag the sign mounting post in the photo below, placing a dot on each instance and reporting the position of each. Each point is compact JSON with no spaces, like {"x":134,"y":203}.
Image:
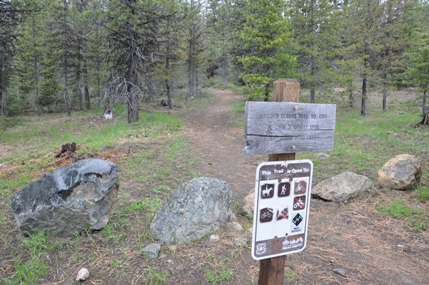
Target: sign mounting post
{"x":280,"y":129}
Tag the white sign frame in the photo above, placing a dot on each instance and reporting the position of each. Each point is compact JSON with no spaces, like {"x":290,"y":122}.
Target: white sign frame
{"x":282,"y":208}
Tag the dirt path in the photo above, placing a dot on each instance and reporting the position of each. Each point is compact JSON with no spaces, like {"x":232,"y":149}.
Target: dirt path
{"x":217,"y":140}
{"x":370,"y":248}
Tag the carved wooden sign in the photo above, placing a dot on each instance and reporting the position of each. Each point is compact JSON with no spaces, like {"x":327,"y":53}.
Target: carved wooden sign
{"x":286,"y":127}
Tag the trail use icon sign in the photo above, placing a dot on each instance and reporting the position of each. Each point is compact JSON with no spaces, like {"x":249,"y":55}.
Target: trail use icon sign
{"x":282,"y":207}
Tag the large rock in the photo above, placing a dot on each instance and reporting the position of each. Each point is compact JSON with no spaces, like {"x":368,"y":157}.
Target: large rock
{"x":194,"y":210}
{"x":402,"y":172}
{"x":69,"y":199}
{"x":341,"y":187}
{"x":248,"y":204}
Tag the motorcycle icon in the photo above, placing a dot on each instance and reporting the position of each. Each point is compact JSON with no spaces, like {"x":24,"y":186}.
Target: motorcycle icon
{"x":299,"y":203}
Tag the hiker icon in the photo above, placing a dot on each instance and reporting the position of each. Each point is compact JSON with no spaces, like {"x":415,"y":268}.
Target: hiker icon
{"x":283,"y":189}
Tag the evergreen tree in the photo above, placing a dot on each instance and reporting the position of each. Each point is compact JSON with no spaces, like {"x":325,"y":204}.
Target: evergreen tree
{"x":265,"y":36}
{"x":133,"y":29}
{"x":419,"y":53}
{"x":9,"y":21}
{"x":28,"y":59}
{"x":171,"y":33}
{"x":392,"y":41}
{"x":361,"y":19}
{"x":314,"y":23}
{"x":195,"y":45}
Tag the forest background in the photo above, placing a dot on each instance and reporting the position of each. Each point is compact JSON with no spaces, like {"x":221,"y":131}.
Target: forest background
{"x":60,"y":56}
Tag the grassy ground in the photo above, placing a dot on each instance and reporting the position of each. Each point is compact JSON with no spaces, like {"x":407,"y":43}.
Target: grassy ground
{"x":154,"y":157}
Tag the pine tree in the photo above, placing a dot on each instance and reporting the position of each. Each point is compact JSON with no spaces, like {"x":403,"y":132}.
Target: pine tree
{"x":314,"y":23}
{"x":361,"y":20}
{"x":265,"y":36}
{"x":195,"y":45}
{"x":9,"y":20}
{"x":28,"y":61}
{"x":133,"y":31}
{"x":393,"y":40}
{"x":419,"y":53}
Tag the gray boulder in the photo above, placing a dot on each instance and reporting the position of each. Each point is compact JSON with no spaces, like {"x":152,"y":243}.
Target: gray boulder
{"x":194,"y":210}
{"x":341,"y":187}
{"x":69,"y":199}
{"x":402,"y":172}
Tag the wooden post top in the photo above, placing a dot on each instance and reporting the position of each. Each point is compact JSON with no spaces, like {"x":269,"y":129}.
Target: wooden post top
{"x":286,"y":90}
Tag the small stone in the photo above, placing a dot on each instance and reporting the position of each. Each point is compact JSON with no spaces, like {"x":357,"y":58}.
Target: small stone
{"x":322,"y":155}
{"x":152,"y":250}
{"x":82,"y":275}
{"x":407,"y":249}
{"x":400,"y":247}
{"x":235,"y":226}
{"x":172,"y":248}
{"x":354,"y":213}
{"x":348,"y":220}
{"x":192,"y":259}
{"x":340,"y":271}
{"x":240,"y":241}
{"x":214,"y":238}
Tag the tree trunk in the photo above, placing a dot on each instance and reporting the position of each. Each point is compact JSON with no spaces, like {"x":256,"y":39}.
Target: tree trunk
{"x":167,"y":83}
{"x":98,"y":83}
{"x":85,"y":75}
{"x":79,"y":90}
{"x":363,"y":103}
{"x":133,"y":104}
{"x":191,"y":65}
{"x":1,"y":91}
{"x":313,"y":58}
{"x":65,"y":47}
{"x":224,"y":58}
{"x":384,"y":97}
{"x":364,"y":82}
{"x":36,"y":69}
{"x":84,"y":67}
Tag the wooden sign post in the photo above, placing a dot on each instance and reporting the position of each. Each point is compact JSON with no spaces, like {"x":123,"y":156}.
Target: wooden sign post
{"x":271,"y":271}
{"x":280,"y":129}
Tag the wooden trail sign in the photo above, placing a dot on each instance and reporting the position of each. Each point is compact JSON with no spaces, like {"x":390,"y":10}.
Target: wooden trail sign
{"x":280,"y":130}
{"x":286,"y":127}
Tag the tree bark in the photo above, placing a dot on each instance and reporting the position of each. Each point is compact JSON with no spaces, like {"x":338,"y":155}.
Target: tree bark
{"x":36,"y":68}
{"x":66,"y":91}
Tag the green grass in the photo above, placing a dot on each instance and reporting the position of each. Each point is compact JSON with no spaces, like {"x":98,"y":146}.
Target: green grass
{"x":219,"y":275}
{"x":289,"y":274}
{"x":399,"y":209}
{"x":48,"y":135}
{"x":28,"y":272}
{"x":155,"y":277}
{"x":178,"y":148}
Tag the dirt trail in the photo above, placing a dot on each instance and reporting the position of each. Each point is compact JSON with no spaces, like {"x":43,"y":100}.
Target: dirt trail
{"x":371,"y":248}
{"x":217,"y":140}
